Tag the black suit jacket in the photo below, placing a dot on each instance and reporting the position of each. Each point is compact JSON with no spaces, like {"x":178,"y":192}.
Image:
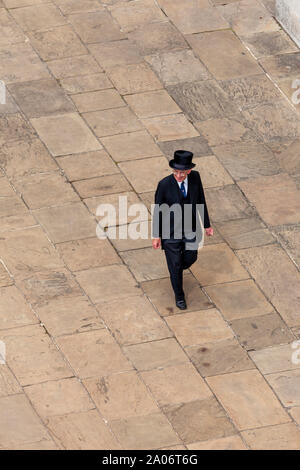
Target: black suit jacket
{"x":169,"y":192}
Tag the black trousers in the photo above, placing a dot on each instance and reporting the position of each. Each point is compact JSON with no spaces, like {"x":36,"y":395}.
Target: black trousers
{"x":178,"y":259}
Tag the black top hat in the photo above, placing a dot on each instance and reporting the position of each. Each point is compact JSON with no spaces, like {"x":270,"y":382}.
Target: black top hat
{"x":182,"y":160}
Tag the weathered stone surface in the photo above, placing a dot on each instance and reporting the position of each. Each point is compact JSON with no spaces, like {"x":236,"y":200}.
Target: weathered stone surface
{"x":109,"y":184}
{"x":225,"y":130}
{"x":177,"y":67}
{"x":279,"y":437}
{"x":269,"y":43}
{"x":275,"y":358}
{"x":87,"y":165}
{"x":148,"y":170}
{"x":142,"y":265}
{"x":94,"y":100}
{"x":131,"y":15}
{"x":97,"y":26}
{"x":13,"y":309}
{"x":8,"y":383}
{"x":127,"y":324}
{"x":223,"y":54}
{"x":151,"y":104}
{"x":74,"y":66}
{"x":171,"y":127}
{"x":14,"y":127}
{"x":134,"y":78}
{"x":278,"y":278}
{"x":224,"y":443}
{"x":289,"y":238}
{"x":65,"y":133}
{"x":197,"y":145}
{"x":10,"y":31}
{"x":114,"y":53}
{"x":248,"y":400}
{"x":288,"y":15}
{"x":227,"y":203}
{"x":212,"y":172}
{"x":162,"y":297}
{"x":200,"y":327}
{"x":286,"y":386}
{"x":131,"y":146}
{"x":112,"y":122}
{"x":245,"y":233}
{"x":86,"y":83}
{"x":282,"y":65}
{"x":155,"y":354}
{"x":93,"y":353}
{"x":276,"y":198}
{"x":199,"y":420}
{"x":202,"y":100}
{"x":219,"y":357}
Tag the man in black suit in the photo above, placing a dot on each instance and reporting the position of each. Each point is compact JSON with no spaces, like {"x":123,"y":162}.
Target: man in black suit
{"x":176,"y":231}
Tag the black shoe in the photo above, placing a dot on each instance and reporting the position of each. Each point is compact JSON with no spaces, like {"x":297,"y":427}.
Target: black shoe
{"x":181,"y":304}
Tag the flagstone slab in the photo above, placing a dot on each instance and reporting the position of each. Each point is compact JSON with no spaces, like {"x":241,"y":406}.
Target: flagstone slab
{"x":152,"y":104}
{"x":57,"y":43}
{"x":124,"y":319}
{"x":114,"y":53}
{"x":199,"y":420}
{"x":120,"y":202}
{"x":225,"y":443}
{"x":278,"y":278}
{"x":171,"y":127}
{"x":15,"y":127}
{"x":112,"y":121}
{"x":276,"y":358}
{"x":226,"y":203}
{"x":282,"y":65}
{"x":120,"y":396}
{"x":198,"y":145}
{"x":65,"y":134}
{"x":93,"y":353}
{"x":134,"y":78}
{"x":280,"y":437}
{"x":20,"y":63}
{"x":25,"y":157}
{"x":269,"y":43}
{"x":247,"y":160}
{"x":144,"y":432}
{"x":286,"y":152}
{"x":219,"y":357}
{"x":49,"y":398}
{"x":108,"y":283}
{"x":8,"y":383}
{"x":245,"y":233}
{"x":139,"y":236}
{"x":82,"y":431}
{"x":78,"y":6}
{"x":67,"y":222}
{"x":41,"y":287}
{"x":154,"y":38}
{"x":276,"y":198}
{"x":223,"y":54}
{"x":212,"y":172}
{"x":13,"y":309}
{"x":274,"y":121}
{"x":87,"y":165}
{"x":202,"y":100}
{"x":94,"y":100}
{"x":248,"y":16}
{"x":38,"y":17}
{"x":109,"y":184}
{"x":239,"y":299}
{"x":10,"y":106}
{"x":20,"y":423}
{"x":97,"y":26}
{"x":217,"y":264}
{"x":177,"y":67}
{"x":144,"y":174}
{"x":289,"y":238}
{"x":39,"y":445}
{"x":261,"y":331}
{"x":176,"y":384}
{"x":286,"y":386}
{"x":28,"y":251}
{"x":11,"y":32}
{"x":251,"y":91}
{"x":44,"y":189}
{"x":295,"y":413}
{"x":193,"y":16}
{"x":86,"y":83}
{"x":130,"y":146}
{"x":88,"y":253}
{"x":21,"y":3}
{"x":10,"y":203}
{"x":248,"y":400}
{"x":155,"y":354}
{"x":67,"y":315}
{"x":77,"y":66}
{"x":132,"y":15}
{"x":32,"y":356}
{"x":199,"y":327}
{"x":146,"y":264}
{"x":162,"y":296}
{"x":226,"y":130}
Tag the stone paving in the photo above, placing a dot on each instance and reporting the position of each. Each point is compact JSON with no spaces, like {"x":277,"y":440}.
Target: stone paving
{"x":99,"y":95}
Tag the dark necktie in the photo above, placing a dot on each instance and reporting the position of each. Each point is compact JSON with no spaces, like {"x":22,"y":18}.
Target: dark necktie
{"x":183,"y":189}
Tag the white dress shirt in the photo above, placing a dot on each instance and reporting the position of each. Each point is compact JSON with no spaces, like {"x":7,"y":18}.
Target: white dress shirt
{"x":185,"y":184}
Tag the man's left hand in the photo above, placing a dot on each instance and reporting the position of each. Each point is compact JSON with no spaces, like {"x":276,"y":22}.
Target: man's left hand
{"x":209,"y":231}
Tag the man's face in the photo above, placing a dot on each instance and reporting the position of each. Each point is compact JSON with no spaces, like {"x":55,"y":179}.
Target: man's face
{"x":180,"y":175}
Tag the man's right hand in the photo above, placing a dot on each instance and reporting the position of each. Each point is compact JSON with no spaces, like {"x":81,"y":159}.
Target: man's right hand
{"x":156,"y":243}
